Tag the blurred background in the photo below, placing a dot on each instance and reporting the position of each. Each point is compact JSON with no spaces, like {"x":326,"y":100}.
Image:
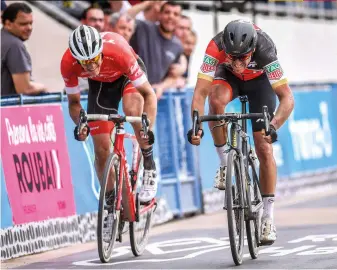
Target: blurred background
{"x":304,"y":33}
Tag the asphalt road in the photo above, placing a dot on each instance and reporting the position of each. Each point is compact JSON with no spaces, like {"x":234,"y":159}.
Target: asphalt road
{"x":307,"y":239}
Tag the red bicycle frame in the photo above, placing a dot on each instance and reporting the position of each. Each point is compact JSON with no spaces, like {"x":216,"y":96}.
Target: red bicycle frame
{"x":127,"y":189}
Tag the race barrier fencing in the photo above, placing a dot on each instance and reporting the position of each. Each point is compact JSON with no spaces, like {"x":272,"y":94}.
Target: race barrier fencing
{"x":49,"y":189}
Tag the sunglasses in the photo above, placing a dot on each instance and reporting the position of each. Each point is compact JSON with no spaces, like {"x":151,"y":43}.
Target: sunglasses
{"x":241,"y":58}
{"x":91,"y":61}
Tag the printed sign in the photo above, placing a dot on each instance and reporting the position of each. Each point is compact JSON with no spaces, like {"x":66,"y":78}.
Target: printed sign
{"x":35,"y":163}
{"x":209,"y":64}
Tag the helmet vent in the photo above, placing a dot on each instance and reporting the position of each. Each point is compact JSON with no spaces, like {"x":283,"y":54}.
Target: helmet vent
{"x":243,"y":37}
{"x":231,"y":35}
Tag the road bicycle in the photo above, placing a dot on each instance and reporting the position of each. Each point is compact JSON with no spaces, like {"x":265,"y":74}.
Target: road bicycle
{"x":243,"y":200}
{"x":126,"y":206}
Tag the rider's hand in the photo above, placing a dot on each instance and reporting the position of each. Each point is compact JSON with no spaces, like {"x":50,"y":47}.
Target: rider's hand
{"x":149,"y":139}
{"x":272,"y":137}
{"x":84,"y":133}
{"x":195,"y":140}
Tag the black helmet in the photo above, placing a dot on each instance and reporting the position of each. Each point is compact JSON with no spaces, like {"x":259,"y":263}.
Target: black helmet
{"x":239,"y":37}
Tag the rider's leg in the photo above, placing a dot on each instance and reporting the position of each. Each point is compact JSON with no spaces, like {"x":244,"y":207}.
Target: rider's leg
{"x":133,"y":104}
{"x":264,"y":150}
{"x":220,"y":95}
{"x":265,"y":95}
{"x":103,"y":98}
{"x":102,"y":145}
{"x":268,"y":173}
{"x":224,"y":89}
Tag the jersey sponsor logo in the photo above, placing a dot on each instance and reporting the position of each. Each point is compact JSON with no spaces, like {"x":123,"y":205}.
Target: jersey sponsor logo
{"x":209,"y":64}
{"x":252,"y":64}
{"x":134,"y":68}
{"x":136,"y":71}
{"x":274,"y":71}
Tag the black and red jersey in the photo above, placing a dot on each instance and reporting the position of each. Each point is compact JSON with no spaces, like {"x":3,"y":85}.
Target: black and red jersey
{"x":264,"y":60}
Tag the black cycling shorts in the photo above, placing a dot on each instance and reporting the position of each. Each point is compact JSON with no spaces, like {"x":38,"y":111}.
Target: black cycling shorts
{"x":258,"y":91}
{"x":104,"y":97}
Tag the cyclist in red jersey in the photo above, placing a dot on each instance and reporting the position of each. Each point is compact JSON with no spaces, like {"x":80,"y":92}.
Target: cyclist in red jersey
{"x":113,"y":71}
{"x":242,"y":60}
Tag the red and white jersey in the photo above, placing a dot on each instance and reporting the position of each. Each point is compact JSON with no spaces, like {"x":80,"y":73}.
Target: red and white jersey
{"x":118,"y":59}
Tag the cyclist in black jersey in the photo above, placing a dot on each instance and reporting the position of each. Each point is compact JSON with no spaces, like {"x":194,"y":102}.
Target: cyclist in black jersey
{"x":242,"y":60}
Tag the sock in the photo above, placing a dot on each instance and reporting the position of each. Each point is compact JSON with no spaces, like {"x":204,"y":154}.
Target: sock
{"x":148,"y":159}
{"x":222,"y":155}
{"x":268,"y":205}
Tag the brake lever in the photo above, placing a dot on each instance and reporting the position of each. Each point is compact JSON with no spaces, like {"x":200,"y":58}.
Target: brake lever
{"x":82,"y":121}
{"x":266,"y":118}
{"x":145,"y":124}
{"x":195,"y":122}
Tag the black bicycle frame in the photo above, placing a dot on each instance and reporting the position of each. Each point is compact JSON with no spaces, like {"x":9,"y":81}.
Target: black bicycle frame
{"x":239,"y":142}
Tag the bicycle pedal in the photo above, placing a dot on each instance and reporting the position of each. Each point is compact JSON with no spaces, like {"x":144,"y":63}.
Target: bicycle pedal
{"x":119,"y":238}
{"x":266,"y":243}
{"x":145,"y":203}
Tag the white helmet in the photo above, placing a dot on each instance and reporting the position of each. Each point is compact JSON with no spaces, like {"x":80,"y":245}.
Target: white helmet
{"x":85,"y":43}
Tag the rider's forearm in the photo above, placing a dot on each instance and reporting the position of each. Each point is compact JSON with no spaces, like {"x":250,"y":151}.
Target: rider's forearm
{"x":201,"y":92}
{"x":198,"y":103}
{"x":74,"y":111}
{"x":285,"y":107}
{"x":150,"y":107}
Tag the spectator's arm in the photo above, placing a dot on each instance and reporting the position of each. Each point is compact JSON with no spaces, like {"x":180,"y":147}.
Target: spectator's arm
{"x":178,"y":69}
{"x":23,"y":85}
{"x":136,"y":9}
{"x":167,"y":83}
{"x":19,"y":65}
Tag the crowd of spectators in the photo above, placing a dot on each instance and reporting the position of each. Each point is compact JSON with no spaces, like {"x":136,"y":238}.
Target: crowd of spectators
{"x":158,"y":32}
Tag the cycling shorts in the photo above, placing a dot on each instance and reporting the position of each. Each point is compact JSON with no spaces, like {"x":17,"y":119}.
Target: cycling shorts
{"x":104,"y":98}
{"x":258,"y":91}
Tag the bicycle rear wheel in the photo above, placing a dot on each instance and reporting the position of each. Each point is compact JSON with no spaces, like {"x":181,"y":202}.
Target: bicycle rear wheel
{"x":140,"y":230}
{"x":253,"y":226}
{"x":235,"y":207}
{"x":105,"y":240}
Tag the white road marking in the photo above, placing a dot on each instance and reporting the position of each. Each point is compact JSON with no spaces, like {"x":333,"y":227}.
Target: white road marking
{"x":315,"y":238}
{"x":206,"y":245}
{"x":189,"y":256}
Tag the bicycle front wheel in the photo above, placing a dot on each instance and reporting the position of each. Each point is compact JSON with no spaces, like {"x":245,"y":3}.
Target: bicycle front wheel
{"x":107,"y":226}
{"x":139,"y":230}
{"x":253,"y":226}
{"x":235,"y":207}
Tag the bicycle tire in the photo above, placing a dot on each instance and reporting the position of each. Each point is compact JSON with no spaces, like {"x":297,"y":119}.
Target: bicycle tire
{"x":138,"y":245}
{"x":104,"y":255}
{"x":237,"y":203}
{"x":252,"y":226}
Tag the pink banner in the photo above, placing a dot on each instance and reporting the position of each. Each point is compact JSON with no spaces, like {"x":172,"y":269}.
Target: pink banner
{"x":36,"y":164}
